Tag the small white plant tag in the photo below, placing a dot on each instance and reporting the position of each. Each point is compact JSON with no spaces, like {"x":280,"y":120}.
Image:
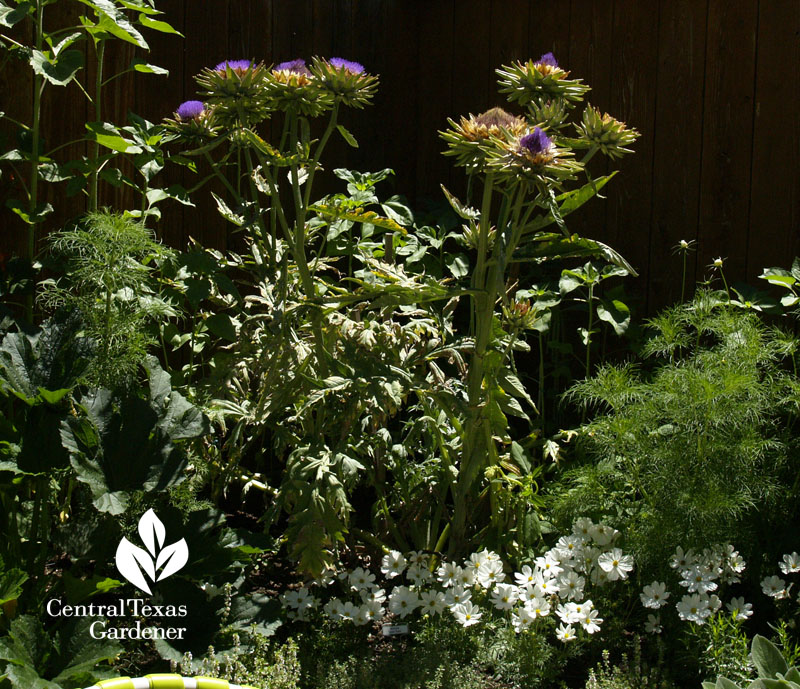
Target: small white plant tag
{"x":395,"y":629}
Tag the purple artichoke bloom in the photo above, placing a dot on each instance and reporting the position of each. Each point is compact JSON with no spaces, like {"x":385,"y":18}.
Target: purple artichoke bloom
{"x":190,"y":109}
{"x":297,"y":66}
{"x":349,"y":65}
{"x":549,"y":60}
{"x":235,"y":65}
{"x":536,"y":142}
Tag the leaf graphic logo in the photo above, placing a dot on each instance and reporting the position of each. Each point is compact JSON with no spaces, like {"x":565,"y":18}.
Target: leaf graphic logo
{"x":134,"y":562}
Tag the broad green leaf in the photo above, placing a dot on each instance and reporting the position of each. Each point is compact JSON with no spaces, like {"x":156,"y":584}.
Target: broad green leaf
{"x":767,"y":658}
{"x":513,"y":386}
{"x":42,"y":210}
{"x":106,"y":134}
{"x":398,"y":211}
{"x":145,"y":67}
{"x":53,"y":396}
{"x":11,"y":582}
{"x":57,"y":70}
{"x":458,"y":265}
{"x":67,"y":41}
{"x":616,"y":313}
{"x":725,"y":683}
{"x":222,"y":326}
{"x":13,"y":15}
{"x":157,"y":25}
{"x":347,"y":136}
{"x":551,"y":246}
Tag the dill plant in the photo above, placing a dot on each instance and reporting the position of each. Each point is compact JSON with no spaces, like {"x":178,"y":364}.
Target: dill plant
{"x":108,"y":261}
{"x":686,"y":443}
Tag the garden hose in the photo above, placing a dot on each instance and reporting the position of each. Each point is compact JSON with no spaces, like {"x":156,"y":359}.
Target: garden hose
{"x":166,"y":681}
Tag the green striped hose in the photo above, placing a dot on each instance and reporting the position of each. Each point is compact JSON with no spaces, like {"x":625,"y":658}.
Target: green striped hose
{"x":166,"y":682}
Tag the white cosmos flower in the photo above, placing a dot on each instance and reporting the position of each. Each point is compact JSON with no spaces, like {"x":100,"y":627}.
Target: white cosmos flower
{"x":490,"y":573}
{"x":740,"y":609}
{"x":432,"y":602}
{"x":448,"y":573}
{"x":694,"y":607}
{"x":790,"y":564}
{"x":504,"y":596}
{"x":370,"y":611}
{"x":569,"y":547}
{"x":681,"y":560}
{"x":590,"y":621}
{"x":654,"y":595}
{"x":570,"y":585}
{"x":466,"y":614}
{"x":349,"y":611}
{"x":374,"y":593}
{"x":522,"y":618}
{"x":582,"y":528}
{"x":419,"y":574}
{"x":775,"y":587}
{"x":393,"y":564}
{"x":456,"y":595}
{"x":334,"y":609}
{"x":403,"y":601}
{"x":418,"y":557}
{"x":698,"y":580}
{"x":540,"y":607}
{"x":567,"y":613}
{"x":653,"y":624}
{"x":565,"y":633}
{"x":466,"y":577}
{"x":603,"y":534}
{"x":361,"y":578}
{"x":525,"y":576}
{"x":615,"y":564}
{"x":549,"y":566}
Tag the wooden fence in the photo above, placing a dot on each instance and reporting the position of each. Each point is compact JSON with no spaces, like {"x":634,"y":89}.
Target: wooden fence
{"x":712,"y":85}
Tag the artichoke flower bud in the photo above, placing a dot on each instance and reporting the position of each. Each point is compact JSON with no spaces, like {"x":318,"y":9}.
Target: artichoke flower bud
{"x":473,"y":138}
{"x":539,"y":81}
{"x":292,"y":87}
{"x":192,"y":123}
{"x":606,"y":132}
{"x":237,"y":91}
{"x":344,"y":81}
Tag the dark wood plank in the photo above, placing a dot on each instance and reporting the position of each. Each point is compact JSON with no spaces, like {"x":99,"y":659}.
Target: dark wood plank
{"x":509,"y":40}
{"x":435,"y":88}
{"x":397,"y":107}
{"x":727,"y":135}
{"x":677,"y":143}
{"x":774,"y":231}
{"x":589,"y":57}
{"x":633,"y":88}
{"x":549,"y":27}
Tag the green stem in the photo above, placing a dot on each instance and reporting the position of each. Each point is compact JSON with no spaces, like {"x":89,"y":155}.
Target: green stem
{"x":589,"y":331}
{"x":98,"y":111}
{"x":683,"y":278}
{"x":33,"y":199}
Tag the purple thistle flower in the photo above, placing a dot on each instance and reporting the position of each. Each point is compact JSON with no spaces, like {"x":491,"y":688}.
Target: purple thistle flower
{"x":190,"y":109}
{"x":349,"y":65}
{"x":549,"y":60}
{"x":297,"y":66}
{"x":536,"y":142}
{"x":235,"y":65}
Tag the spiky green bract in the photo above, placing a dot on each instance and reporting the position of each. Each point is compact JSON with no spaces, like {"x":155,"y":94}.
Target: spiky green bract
{"x":108,"y":260}
{"x":606,"y":132}
{"x":684,"y":449}
{"x":296,"y":91}
{"x":193,"y":131}
{"x":238,"y":97}
{"x":535,"y":82}
{"x":347,"y":86}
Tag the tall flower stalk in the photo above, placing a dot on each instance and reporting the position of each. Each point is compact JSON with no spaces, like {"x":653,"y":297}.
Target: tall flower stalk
{"x":526,"y":166}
